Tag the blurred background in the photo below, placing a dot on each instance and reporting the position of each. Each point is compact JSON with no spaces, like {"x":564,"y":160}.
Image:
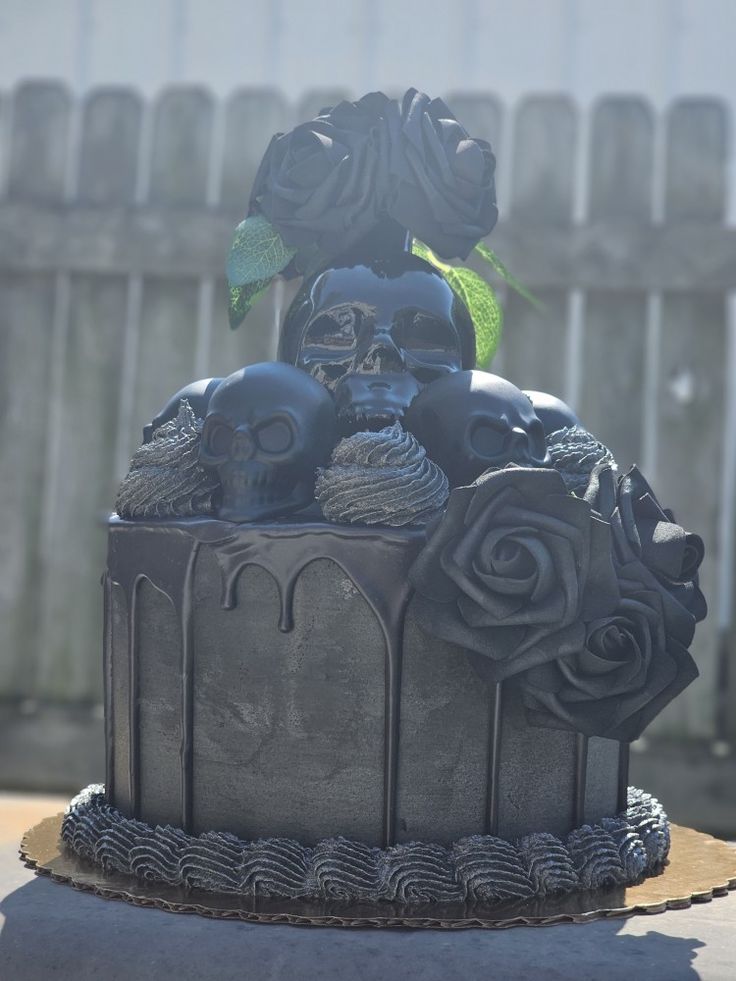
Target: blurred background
{"x":129,"y":137}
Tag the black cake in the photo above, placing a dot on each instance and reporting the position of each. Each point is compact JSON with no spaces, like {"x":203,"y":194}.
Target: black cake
{"x":378,"y":624}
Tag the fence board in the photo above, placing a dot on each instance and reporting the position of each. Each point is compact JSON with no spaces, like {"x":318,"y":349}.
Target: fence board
{"x":181,"y":147}
{"x":87,"y":403}
{"x":543,"y":174}
{"x":26,"y":313}
{"x":692,"y":387}
{"x":252,"y":116}
{"x":697,"y":148}
{"x":111,"y":127}
{"x":621,"y":161}
{"x":39,"y":142}
{"x":69,"y":656}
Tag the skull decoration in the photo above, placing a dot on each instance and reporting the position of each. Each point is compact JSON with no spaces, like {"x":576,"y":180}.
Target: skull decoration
{"x":268,"y":428}
{"x":553,"y":413}
{"x":375,"y":332}
{"x":197,"y":394}
{"x":471,"y":421}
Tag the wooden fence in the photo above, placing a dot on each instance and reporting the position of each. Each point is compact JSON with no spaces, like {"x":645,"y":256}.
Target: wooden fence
{"x":115,"y":220}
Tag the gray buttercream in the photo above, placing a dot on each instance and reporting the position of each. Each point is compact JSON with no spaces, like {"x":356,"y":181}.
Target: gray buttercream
{"x":382,"y":477}
{"x":165,"y":479}
{"x":575,"y":453}
{"x":480,"y":868}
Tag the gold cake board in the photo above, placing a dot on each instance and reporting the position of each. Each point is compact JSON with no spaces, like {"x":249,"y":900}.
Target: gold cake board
{"x":700,"y":868}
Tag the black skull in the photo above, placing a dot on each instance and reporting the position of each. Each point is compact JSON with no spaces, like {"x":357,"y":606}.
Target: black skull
{"x":268,"y":428}
{"x":471,"y":421}
{"x":553,"y":413}
{"x":197,"y":394}
{"x":375,"y":332}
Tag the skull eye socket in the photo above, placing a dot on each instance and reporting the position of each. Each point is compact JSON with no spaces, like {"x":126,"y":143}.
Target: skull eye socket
{"x":335,"y":330}
{"x":488,"y":440}
{"x":219,"y":439}
{"x":275,"y":437}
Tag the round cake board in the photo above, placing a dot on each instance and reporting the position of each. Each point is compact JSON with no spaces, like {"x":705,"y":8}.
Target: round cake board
{"x":699,"y":868}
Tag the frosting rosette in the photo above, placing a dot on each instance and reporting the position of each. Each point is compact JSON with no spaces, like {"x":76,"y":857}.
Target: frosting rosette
{"x":317,"y":184}
{"x":328,"y":182}
{"x":514,"y":570}
{"x":644,"y":531}
{"x":446,"y":189}
{"x":627,"y":670}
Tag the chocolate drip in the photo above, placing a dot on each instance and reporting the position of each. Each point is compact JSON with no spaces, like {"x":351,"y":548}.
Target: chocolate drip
{"x":284,"y":551}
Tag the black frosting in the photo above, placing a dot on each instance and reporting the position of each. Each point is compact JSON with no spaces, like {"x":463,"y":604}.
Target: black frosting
{"x":480,"y":868}
{"x":165,"y":479}
{"x":381,"y":478}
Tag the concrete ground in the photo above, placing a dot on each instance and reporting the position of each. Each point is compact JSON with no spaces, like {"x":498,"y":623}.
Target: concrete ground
{"x":51,"y":931}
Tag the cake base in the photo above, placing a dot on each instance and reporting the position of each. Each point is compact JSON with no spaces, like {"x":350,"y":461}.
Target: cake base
{"x":699,"y":868}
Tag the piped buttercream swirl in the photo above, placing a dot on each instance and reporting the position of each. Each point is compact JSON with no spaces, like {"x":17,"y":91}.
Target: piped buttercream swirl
{"x":382,"y":477}
{"x":575,"y":453}
{"x":480,"y":868}
{"x":165,"y":479}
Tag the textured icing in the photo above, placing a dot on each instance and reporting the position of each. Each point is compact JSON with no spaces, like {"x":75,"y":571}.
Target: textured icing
{"x":575,"y":453}
{"x":381,"y":478}
{"x":165,"y":479}
{"x":480,"y":868}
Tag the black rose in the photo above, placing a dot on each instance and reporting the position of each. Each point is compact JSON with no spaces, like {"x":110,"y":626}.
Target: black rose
{"x":513,"y":569}
{"x":642,"y":529}
{"x":319,"y":185}
{"x":627,"y":670}
{"x":446,"y":190}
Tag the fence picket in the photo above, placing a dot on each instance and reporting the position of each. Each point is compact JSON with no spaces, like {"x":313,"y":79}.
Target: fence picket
{"x":692,"y":387}
{"x":543,"y":175}
{"x":621,"y":162}
{"x":39,"y":142}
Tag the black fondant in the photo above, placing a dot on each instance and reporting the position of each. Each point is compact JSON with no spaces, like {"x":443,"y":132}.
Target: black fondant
{"x":553,"y":413}
{"x":472,"y":420}
{"x":197,"y":394}
{"x":375,"y":331}
{"x":268,"y":428}
{"x":291,"y":680}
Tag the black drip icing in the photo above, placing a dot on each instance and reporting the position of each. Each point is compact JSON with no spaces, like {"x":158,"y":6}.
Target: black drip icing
{"x":166,"y":556}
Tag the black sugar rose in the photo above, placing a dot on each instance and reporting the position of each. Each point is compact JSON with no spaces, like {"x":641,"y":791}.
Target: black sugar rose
{"x":446,"y":190}
{"x":317,"y":184}
{"x":627,"y":670}
{"x":513,"y":569}
{"x":646,"y":531}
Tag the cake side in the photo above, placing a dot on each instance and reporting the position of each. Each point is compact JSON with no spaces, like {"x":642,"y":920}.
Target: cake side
{"x":267,"y":680}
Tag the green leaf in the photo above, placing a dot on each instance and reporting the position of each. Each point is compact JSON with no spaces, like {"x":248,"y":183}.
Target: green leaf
{"x":482,"y":303}
{"x":257,"y":253}
{"x":490,"y":256}
{"x":242,"y":299}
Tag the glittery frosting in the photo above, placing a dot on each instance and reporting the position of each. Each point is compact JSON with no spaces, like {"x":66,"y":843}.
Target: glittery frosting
{"x":575,"y":453}
{"x":165,"y":479}
{"x":382,"y":478}
{"x":480,"y":868}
